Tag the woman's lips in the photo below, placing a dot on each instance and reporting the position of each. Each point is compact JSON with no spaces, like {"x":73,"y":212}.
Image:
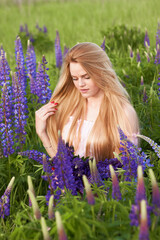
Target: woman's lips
{"x":83,"y":90}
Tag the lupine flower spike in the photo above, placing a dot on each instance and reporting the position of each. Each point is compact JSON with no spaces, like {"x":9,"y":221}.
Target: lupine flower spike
{"x":31,"y":188}
{"x":153,"y":144}
{"x":146,"y":40}
{"x":96,"y":178}
{"x":50,"y":207}
{"x":58,"y":51}
{"x":44,"y":229}
{"x":60,"y":229}
{"x":144,"y":232}
{"x":5,"y":200}
{"x":36,"y":211}
{"x":140,"y":194}
{"x":89,"y":193}
{"x":142,"y":81}
{"x":155,"y":193}
{"x":116,"y":194}
{"x":103,"y":44}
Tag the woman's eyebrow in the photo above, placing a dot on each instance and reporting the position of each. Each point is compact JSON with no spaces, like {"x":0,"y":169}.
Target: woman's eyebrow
{"x":83,"y":75}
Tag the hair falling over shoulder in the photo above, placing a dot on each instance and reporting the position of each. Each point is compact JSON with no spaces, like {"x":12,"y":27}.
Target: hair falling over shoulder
{"x":115,"y":109}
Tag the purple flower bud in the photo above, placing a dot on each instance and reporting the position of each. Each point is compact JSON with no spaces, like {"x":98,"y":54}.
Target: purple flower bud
{"x":36,"y":211}
{"x":58,"y":51}
{"x":50,"y":208}
{"x":89,"y":193}
{"x":144,"y":231}
{"x":60,"y":229}
{"x":116,"y":194}
{"x":44,"y":229}
{"x":146,"y":40}
{"x":138,"y":56}
{"x":155,"y":193}
{"x":140,"y":194}
{"x":31,"y":188}
{"x":142,"y":81}
{"x":103,"y":44}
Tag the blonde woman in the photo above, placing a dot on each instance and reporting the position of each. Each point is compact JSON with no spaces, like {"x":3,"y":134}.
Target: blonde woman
{"x":87,"y":106}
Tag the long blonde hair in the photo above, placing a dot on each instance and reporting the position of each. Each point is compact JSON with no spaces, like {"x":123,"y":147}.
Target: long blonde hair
{"x":115,"y":109}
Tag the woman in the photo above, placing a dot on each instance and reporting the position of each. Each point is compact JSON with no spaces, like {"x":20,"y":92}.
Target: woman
{"x":87,"y":106}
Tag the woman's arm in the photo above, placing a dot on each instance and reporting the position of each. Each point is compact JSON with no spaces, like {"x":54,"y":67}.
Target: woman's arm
{"x":41,"y":116}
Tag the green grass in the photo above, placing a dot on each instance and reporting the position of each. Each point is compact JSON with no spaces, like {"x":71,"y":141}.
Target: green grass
{"x":76,"y":21}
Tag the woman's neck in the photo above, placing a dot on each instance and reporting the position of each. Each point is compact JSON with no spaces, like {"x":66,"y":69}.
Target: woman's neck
{"x":93,"y":106}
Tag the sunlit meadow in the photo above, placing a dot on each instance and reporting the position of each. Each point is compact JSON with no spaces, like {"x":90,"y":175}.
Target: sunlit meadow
{"x":117,"y":198}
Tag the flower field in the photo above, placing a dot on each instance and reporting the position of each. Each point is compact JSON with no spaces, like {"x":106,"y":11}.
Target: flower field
{"x":69,"y":197}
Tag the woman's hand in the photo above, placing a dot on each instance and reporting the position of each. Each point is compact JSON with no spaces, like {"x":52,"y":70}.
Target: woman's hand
{"x":41,"y":116}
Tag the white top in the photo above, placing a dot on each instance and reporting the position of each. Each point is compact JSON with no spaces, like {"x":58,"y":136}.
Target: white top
{"x":85,"y":131}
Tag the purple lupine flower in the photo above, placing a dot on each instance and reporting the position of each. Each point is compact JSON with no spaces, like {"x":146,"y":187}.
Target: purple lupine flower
{"x":51,"y":214}
{"x":5,"y":200}
{"x":145,"y":97}
{"x":158,"y":36}
{"x":155,"y":193}
{"x":144,"y":226}
{"x":42,"y":90}
{"x":65,"y":51}
{"x":26,"y":30}
{"x":21,"y":29}
{"x":20,"y":109}
{"x":159,"y":85}
{"x":31,"y":67}
{"x":63,"y":173}
{"x":131,"y":157}
{"x":146,"y":40}
{"x":103,"y":167}
{"x":20,"y":62}
{"x":37,"y":156}
{"x":60,"y":229}
{"x":157,"y":57}
{"x":45,"y":29}
{"x":130,"y":52}
{"x":4,"y":69}
{"x":6,"y":124}
{"x":138,"y":56}
{"x":103,"y":44}
{"x":153,"y":144}
{"x":89,"y":194}
{"x":116,"y":194}
{"x":95,"y":176}
{"x":140,"y":195}
{"x":58,"y":51}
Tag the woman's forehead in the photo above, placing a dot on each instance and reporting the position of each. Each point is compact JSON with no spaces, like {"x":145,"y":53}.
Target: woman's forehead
{"x":76,"y":69}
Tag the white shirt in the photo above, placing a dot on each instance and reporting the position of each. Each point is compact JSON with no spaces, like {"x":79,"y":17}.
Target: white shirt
{"x":85,"y":131}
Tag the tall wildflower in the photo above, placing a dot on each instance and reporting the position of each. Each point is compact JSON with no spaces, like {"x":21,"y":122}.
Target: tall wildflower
{"x":116,"y":194}
{"x":20,"y":68}
{"x":60,"y":229}
{"x":5,"y":200}
{"x":6,"y":124}
{"x":20,"y":109}
{"x":4,"y":69}
{"x":144,"y":231}
{"x":58,"y":51}
{"x":157,"y":57}
{"x":103,"y":44}
{"x":131,"y":157}
{"x":42,"y":87}
{"x":90,"y":196}
{"x":95,"y":176}
{"x":146,"y":40}
{"x":153,"y":144}
{"x":140,"y":195}
{"x":31,"y":67}
{"x":155,"y":193}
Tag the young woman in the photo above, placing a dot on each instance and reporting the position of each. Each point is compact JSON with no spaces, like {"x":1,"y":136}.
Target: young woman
{"x":87,"y":106}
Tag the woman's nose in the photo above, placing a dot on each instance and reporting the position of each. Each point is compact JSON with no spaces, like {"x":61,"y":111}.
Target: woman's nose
{"x":81,"y":82}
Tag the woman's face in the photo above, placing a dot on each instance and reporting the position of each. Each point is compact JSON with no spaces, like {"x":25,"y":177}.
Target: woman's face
{"x":83,"y":82}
